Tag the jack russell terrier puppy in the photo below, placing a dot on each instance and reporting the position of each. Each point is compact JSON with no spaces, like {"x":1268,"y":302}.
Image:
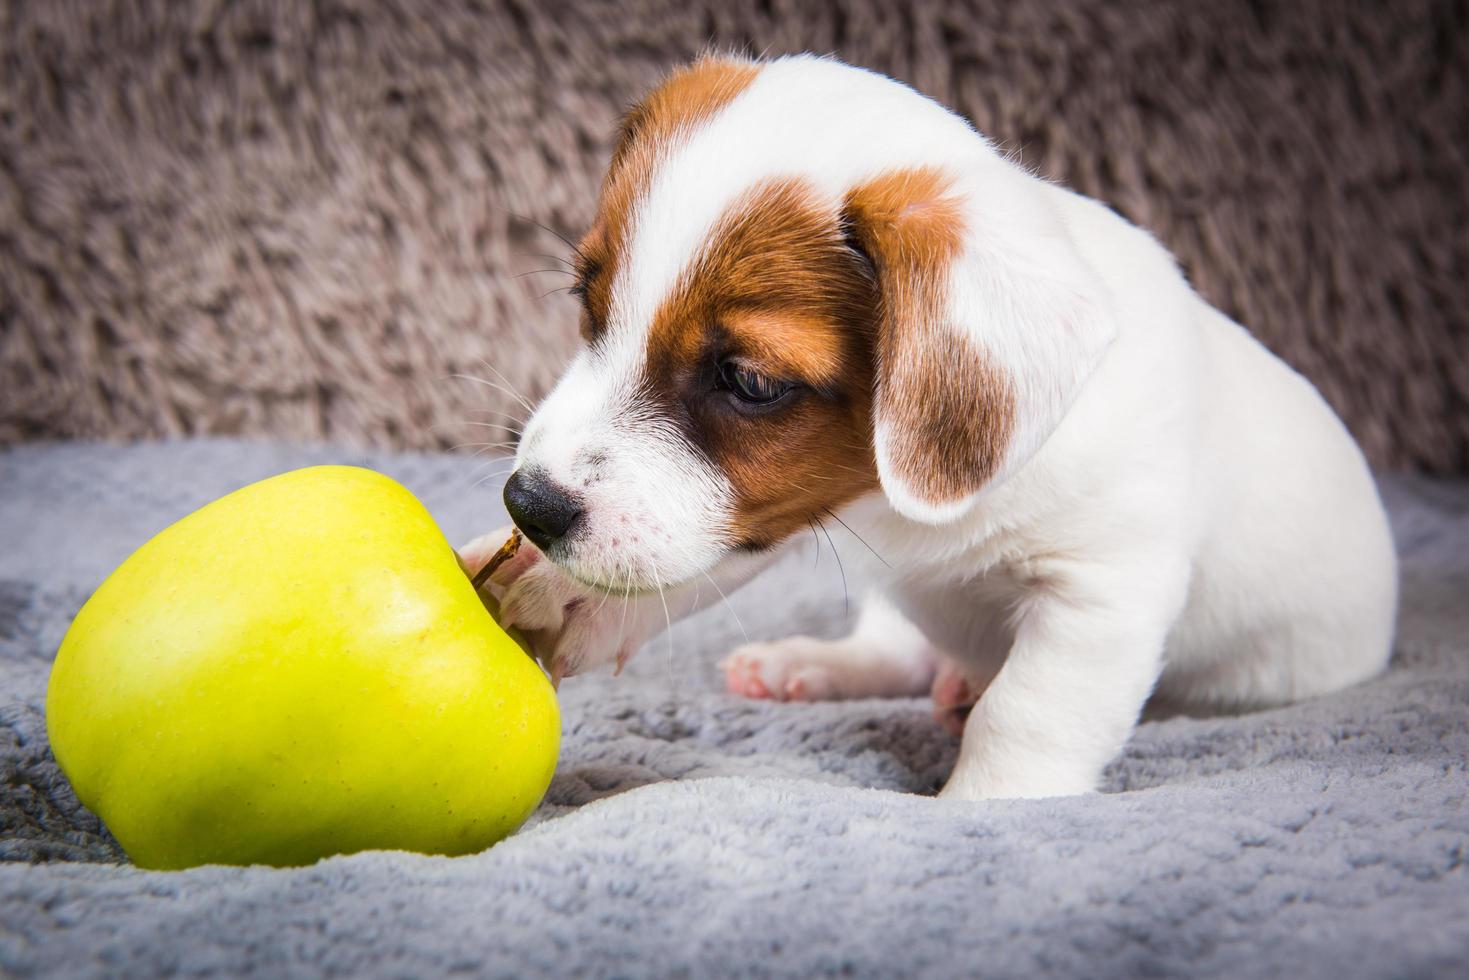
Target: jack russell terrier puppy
{"x":810,"y":291}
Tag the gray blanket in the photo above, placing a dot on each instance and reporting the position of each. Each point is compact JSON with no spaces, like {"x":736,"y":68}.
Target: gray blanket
{"x":688,"y":833}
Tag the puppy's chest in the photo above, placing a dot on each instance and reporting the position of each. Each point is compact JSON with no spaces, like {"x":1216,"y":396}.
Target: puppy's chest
{"x":970,"y":618}
{"x":923,"y":560}
{"x":940,"y":556}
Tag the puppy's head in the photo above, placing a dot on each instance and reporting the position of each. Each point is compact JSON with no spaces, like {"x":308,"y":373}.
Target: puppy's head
{"x":805,"y":283}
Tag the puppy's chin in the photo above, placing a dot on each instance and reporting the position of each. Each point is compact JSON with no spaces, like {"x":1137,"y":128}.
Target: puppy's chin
{"x":628,"y":574}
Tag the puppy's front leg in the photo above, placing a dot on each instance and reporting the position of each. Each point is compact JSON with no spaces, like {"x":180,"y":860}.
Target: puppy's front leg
{"x":1088,"y":647}
{"x":885,"y":656}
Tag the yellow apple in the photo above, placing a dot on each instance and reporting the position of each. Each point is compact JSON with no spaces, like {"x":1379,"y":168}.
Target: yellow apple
{"x":299,"y":669}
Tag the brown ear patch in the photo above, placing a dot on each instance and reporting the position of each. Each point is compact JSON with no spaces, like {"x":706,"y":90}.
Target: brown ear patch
{"x":947,"y":410}
{"x":687,"y":97}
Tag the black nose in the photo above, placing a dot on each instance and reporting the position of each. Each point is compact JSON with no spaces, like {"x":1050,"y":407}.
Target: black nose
{"x":543,"y":511}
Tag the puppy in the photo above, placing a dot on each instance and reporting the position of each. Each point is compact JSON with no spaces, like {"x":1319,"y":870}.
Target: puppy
{"x":810,"y":291}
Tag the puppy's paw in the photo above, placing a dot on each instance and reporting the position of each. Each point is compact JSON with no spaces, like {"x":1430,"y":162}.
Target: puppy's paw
{"x":954,"y":698}
{"x":798,"y":668}
{"x":571,"y":628}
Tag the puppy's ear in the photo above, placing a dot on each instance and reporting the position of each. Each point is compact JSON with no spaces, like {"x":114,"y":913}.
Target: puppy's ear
{"x":989,"y":324}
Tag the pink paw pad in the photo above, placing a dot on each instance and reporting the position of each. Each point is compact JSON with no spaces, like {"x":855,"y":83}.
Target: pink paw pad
{"x":740,"y":678}
{"x":952,"y":700}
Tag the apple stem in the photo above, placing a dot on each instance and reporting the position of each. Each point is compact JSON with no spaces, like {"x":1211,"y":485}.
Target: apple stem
{"x":507,"y":551}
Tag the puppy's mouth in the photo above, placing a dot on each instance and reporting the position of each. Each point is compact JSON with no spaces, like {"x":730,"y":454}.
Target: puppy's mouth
{"x":639,"y":574}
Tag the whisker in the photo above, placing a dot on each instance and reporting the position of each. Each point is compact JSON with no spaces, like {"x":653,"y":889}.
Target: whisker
{"x":510,"y":444}
{"x":857,"y":536}
{"x":569,"y":243}
{"x":524,"y":402}
{"x":484,"y":425}
{"x":490,"y":463}
{"x":846,"y":597}
{"x":667,"y":619}
{"x":490,"y":476}
{"x":515,"y":433}
{"x":626,"y":599}
{"x":846,"y":469}
{"x":553,"y":258}
{"x":728,"y":605}
{"x":519,"y":422}
{"x":498,"y":387}
{"x":508,"y":458}
{"x":619,"y":661}
{"x":481,"y":445}
{"x":606,"y":594}
{"x":477,"y":454}
{"x":537,"y":272}
{"x":501,"y":449}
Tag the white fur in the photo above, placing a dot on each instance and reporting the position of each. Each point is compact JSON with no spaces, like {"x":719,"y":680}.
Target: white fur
{"x":1178,"y":510}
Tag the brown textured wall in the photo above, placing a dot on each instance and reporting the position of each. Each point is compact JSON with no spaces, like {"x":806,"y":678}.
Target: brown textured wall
{"x":300,"y":219}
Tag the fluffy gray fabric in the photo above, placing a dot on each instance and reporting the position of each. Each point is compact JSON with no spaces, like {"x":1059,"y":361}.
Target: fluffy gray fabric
{"x":689,"y":833}
{"x":298,"y":219}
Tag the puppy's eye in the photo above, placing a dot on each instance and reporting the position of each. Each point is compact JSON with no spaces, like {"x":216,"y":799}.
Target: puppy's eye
{"x":751,"y":386}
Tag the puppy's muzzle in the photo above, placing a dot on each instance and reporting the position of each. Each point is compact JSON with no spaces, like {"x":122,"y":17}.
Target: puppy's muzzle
{"x":544,"y":511}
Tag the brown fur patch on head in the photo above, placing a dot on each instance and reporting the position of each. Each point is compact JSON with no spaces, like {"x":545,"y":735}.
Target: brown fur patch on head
{"x":948,"y":411}
{"x":778,"y":290}
{"x":687,"y":97}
